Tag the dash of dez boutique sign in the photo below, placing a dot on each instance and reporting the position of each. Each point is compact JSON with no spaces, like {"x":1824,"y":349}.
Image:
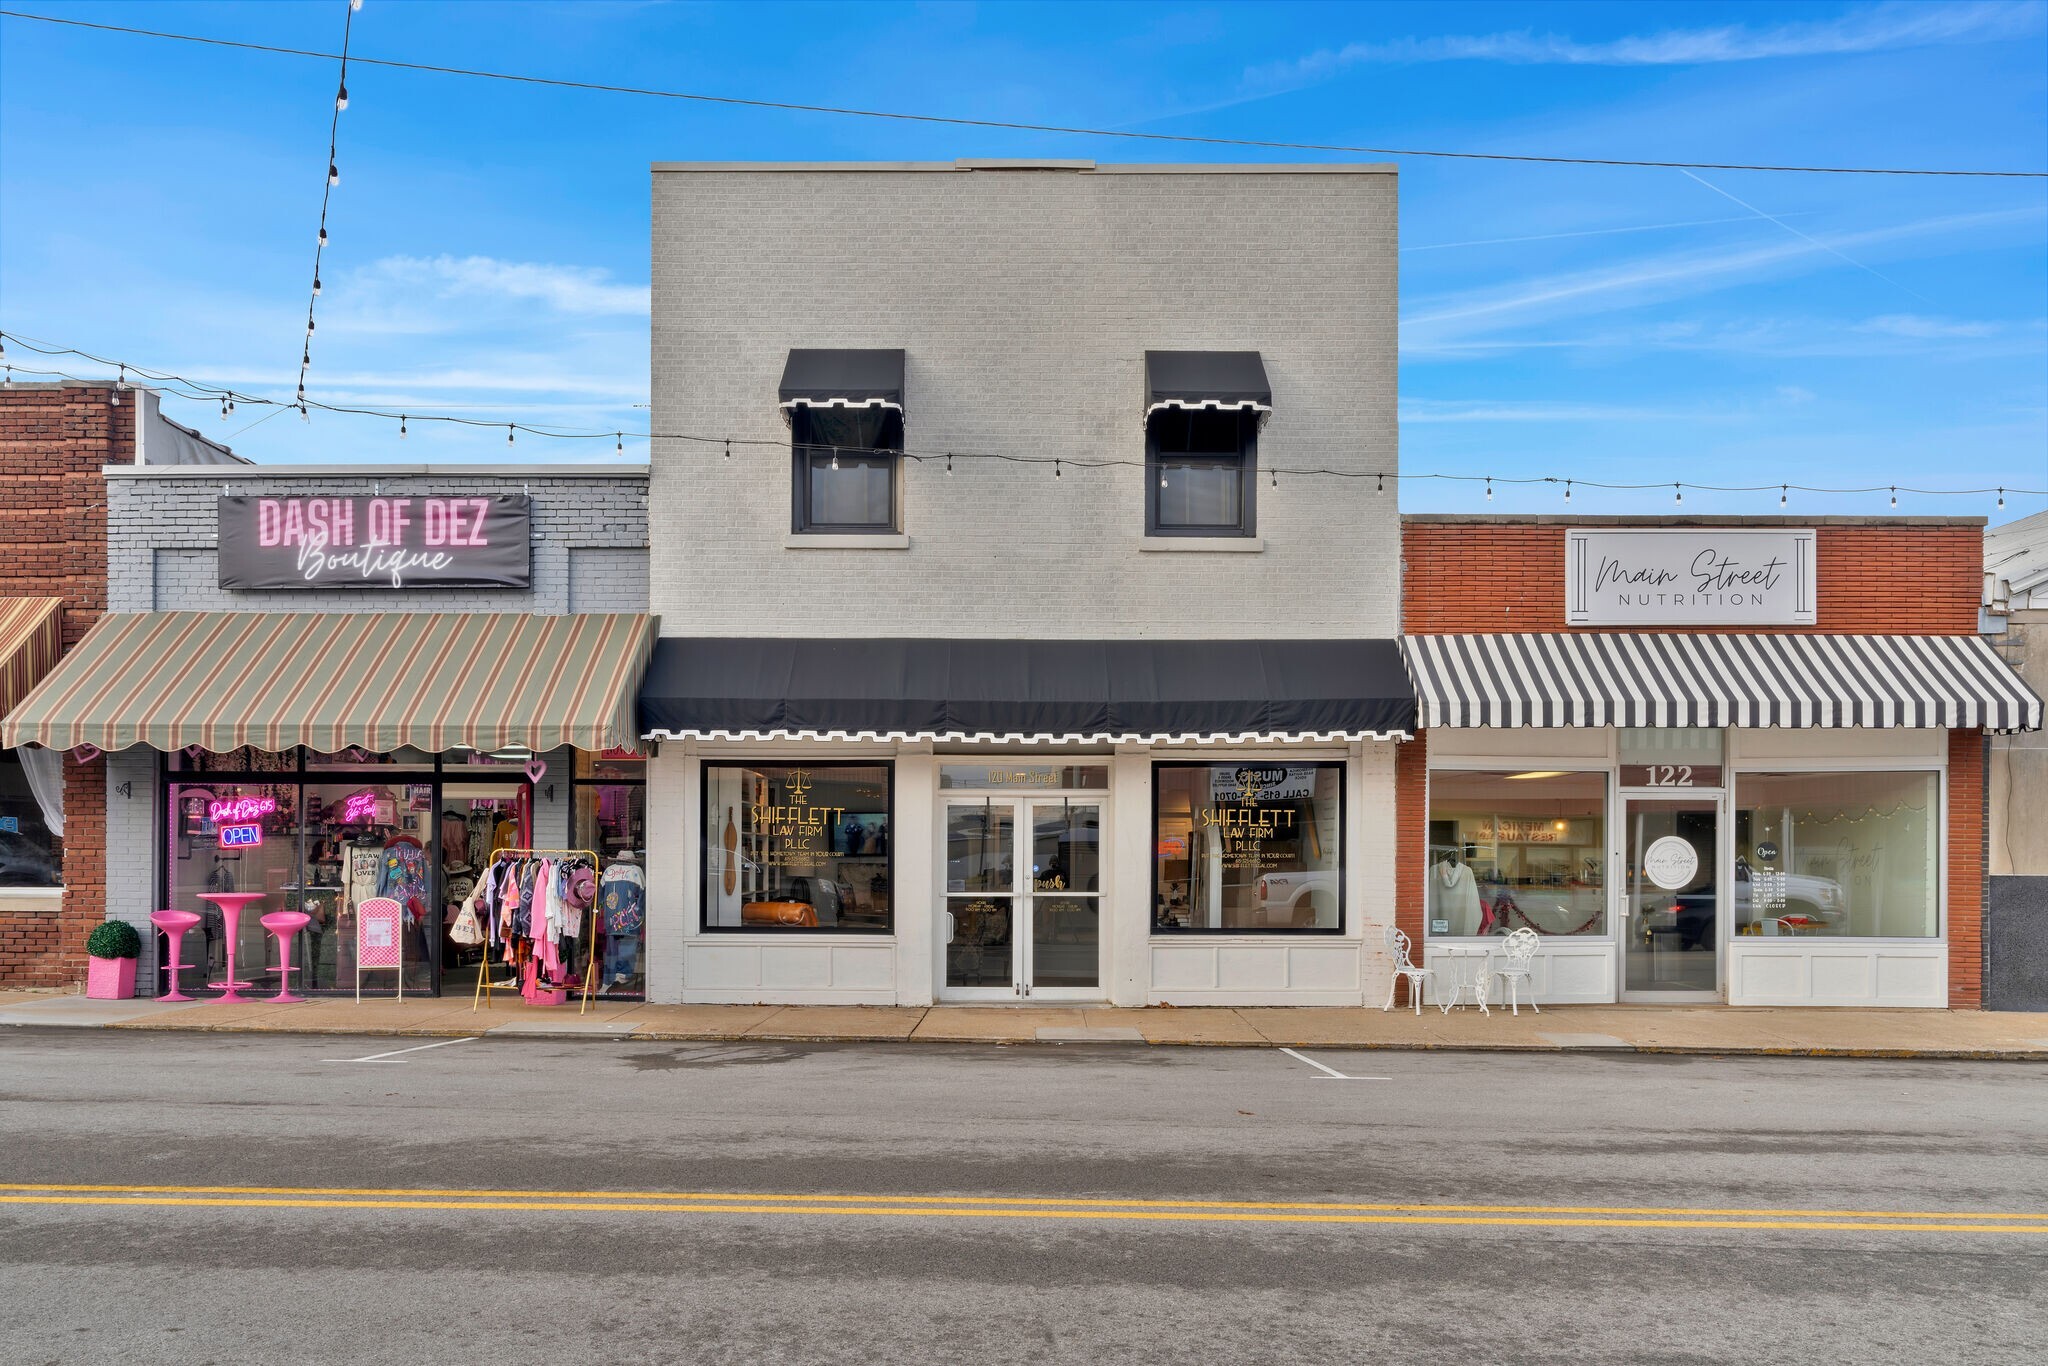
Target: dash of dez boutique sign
{"x":1689,"y":576}
{"x":383,"y":542}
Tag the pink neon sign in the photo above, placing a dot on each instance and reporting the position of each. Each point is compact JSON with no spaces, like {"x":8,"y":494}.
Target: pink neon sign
{"x":227,"y":809}
{"x":360,"y":806}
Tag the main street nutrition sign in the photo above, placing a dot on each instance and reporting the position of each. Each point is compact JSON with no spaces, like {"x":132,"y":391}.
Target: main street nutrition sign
{"x":380,"y":542}
{"x":1689,"y":576}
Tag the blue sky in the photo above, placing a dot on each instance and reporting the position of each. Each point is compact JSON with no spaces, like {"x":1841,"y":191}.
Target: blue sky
{"x":158,"y":203}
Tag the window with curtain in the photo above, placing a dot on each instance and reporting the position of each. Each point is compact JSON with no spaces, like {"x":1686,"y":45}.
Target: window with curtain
{"x":1200,"y":468}
{"x":845,"y":469}
{"x":31,"y":818}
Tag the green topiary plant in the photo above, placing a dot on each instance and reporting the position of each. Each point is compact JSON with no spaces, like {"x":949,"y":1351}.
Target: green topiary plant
{"x":114,"y":939}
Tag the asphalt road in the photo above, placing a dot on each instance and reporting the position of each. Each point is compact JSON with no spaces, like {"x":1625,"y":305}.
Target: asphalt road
{"x":512,"y":1201}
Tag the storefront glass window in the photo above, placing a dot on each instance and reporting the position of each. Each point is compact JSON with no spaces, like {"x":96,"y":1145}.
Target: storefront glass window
{"x":1514,"y":848}
{"x":611,"y":821}
{"x":798,"y":848}
{"x":31,"y":854}
{"x":1248,"y":848}
{"x":234,"y":837}
{"x":1839,"y":855}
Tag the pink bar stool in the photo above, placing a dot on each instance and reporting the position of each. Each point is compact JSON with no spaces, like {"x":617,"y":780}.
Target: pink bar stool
{"x":174,"y":924}
{"x":285,"y":924}
{"x":231,"y":904}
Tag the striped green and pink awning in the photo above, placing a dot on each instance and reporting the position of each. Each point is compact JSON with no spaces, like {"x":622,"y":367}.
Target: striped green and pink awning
{"x":31,"y":638}
{"x":329,"y":680}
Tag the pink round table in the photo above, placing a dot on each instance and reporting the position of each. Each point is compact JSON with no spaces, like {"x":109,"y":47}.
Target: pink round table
{"x":231,"y":904}
{"x":283,"y":925}
{"x":174,"y":924}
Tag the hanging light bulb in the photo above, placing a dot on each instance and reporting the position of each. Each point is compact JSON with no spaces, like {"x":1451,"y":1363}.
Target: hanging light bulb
{"x":323,"y":234}
{"x":1276,"y":478}
{"x":116,"y":401}
{"x":1895,"y":495}
{"x":508,"y":433}
{"x":401,"y":426}
{"x":316,"y":286}
{"x":1567,"y":490}
{"x":949,"y":467}
{"x":835,"y":457}
{"x":1783,"y":491}
{"x":2001,"y":497}
{"x":1056,"y":468}
{"x":309,"y":324}
{"x":1489,"y":490}
{"x":620,"y":447}
{"x":1162,"y":478}
{"x":231,"y":403}
{"x":1677,"y":494}
{"x":333,"y":174}
{"x":1381,"y":486}
{"x":8,"y":383}
{"x":341,"y":99}
{"x":304,"y":416}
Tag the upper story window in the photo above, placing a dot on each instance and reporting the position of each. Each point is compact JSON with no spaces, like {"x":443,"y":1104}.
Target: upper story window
{"x":1200,"y":466}
{"x":845,"y":481}
{"x":845,"y":412}
{"x":1202,"y":415}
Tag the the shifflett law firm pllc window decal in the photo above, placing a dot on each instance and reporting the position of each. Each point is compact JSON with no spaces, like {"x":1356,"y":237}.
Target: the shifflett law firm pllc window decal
{"x":1248,"y":847}
{"x":798,"y":848}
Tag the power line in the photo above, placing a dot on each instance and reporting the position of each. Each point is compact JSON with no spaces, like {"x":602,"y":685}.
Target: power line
{"x":198,"y":391}
{"x":327,"y":184}
{"x":1007,"y":125}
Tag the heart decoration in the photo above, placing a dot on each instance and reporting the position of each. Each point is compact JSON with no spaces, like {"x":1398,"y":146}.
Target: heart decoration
{"x":85,"y":754}
{"x":535,"y":768}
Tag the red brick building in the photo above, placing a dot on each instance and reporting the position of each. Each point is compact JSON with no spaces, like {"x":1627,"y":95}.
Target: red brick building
{"x":54,"y":441}
{"x":1735,"y":759}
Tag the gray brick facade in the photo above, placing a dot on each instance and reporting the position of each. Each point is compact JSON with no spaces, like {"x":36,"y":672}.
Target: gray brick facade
{"x":1025,"y":301}
{"x":589,"y":538}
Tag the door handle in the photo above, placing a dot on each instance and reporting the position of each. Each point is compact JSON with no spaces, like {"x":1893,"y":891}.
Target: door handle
{"x":952,"y":926}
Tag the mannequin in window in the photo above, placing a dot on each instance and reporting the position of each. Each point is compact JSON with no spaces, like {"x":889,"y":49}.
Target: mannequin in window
{"x":1457,"y":895}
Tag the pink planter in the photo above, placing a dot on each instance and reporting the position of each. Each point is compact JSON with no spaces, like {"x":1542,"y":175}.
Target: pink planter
{"x":110,"y":979}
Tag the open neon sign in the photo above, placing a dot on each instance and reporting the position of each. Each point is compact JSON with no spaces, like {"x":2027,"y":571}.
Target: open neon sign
{"x":240,"y":836}
{"x":238,"y":809}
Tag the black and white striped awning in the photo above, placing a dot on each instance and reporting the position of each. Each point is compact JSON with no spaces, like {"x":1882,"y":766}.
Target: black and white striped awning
{"x":1645,"y":679}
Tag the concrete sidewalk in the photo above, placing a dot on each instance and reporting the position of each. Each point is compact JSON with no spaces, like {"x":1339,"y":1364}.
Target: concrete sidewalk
{"x":1643,"y":1029}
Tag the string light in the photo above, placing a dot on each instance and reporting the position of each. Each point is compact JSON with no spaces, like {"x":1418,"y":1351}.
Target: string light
{"x":508,"y":433}
{"x":326,"y":193}
{"x":341,"y":99}
{"x":401,"y":426}
{"x":835,"y":457}
{"x":1677,"y":494}
{"x":1381,"y":486}
{"x":180,"y":386}
{"x":333,"y":174}
{"x":1895,"y":495}
{"x":116,"y":399}
{"x":728,"y":446}
{"x":1056,"y":468}
{"x":1567,"y":490}
{"x":1489,"y":490}
{"x":619,"y":438}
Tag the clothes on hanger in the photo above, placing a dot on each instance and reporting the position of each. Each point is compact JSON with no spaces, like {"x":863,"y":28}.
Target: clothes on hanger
{"x":1457,"y":896}
{"x":403,"y":877}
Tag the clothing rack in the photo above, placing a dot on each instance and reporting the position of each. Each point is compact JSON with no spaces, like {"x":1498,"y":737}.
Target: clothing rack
{"x":483,"y":977}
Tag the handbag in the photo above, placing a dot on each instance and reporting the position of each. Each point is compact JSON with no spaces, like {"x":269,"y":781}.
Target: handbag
{"x":467,"y":930}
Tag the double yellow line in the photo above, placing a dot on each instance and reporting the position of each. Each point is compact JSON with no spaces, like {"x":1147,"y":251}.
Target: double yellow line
{"x":1023,"y":1207}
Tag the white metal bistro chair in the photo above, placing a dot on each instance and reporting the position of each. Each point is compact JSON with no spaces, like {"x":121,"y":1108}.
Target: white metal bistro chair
{"x":1518,"y":952}
{"x":1404,"y":967}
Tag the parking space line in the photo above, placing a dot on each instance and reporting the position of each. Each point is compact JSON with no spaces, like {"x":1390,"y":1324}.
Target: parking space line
{"x":380,"y":1057}
{"x":1329,"y":1073}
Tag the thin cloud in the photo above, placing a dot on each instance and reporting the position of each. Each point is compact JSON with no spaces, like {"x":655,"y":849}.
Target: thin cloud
{"x":586,"y":291}
{"x":1878,"y":28}
{"x":1598,"y":232}
{"x":1675,"y":273}
{"x":1456,"y":410}
{"x":1929,"y":329}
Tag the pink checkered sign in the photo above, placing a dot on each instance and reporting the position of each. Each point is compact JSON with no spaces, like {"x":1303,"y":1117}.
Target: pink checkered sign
{"x":377,"y":933}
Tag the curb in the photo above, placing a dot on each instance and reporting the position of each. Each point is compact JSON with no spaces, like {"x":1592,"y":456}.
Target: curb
{"x":1935,"y":1054}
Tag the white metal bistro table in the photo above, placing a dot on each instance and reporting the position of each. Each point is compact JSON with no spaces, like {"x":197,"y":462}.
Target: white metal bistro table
{"x":1465,"y":969}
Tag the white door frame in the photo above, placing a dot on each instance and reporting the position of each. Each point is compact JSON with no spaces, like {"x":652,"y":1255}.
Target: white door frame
{"x":1021,"y":897}
{"x":1724,"y":892}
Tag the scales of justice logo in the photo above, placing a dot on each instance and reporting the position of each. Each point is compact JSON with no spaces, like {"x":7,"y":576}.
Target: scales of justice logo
{"x":799,"y":784}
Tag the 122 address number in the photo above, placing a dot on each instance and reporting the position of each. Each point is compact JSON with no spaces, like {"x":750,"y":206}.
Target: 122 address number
{"x":1669,"y":775}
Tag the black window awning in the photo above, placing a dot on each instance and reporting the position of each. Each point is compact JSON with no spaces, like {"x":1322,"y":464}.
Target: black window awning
{"x":999,"y":690}
{"x":1207,"y":379}
{"x":842,"y":379}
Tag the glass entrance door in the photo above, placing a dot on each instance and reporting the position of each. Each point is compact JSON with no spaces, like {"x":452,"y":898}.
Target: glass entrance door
{"x":1672,"y":903}
{"x":1023,"y":899}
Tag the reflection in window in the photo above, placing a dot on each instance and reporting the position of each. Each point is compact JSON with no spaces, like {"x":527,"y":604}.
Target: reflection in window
{"x":1248,"y":847}
{"x":797,"y":848}
{"x":1842,"y":855}
{"x":1517,"y":847}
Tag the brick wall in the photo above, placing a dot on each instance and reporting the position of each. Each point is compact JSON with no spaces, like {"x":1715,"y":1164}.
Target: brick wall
{"x":53,"y":442}
{"x":1025,"y":302}
{"x":1967,"y":886}
{"x":1891,"y":579}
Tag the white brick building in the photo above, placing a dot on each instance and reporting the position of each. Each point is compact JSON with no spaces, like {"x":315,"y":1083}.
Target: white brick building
{"x":816,"y":313}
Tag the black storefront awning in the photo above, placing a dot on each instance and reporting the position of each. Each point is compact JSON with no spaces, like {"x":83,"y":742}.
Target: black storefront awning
{"x":1206,"y":379}
{"x":840,"y":379}
{"x":1016,"y":689}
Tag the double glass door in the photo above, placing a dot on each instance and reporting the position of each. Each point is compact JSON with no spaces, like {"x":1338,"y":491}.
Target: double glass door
{"x":1671,"y":930}
{"x":1022,"y":915}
